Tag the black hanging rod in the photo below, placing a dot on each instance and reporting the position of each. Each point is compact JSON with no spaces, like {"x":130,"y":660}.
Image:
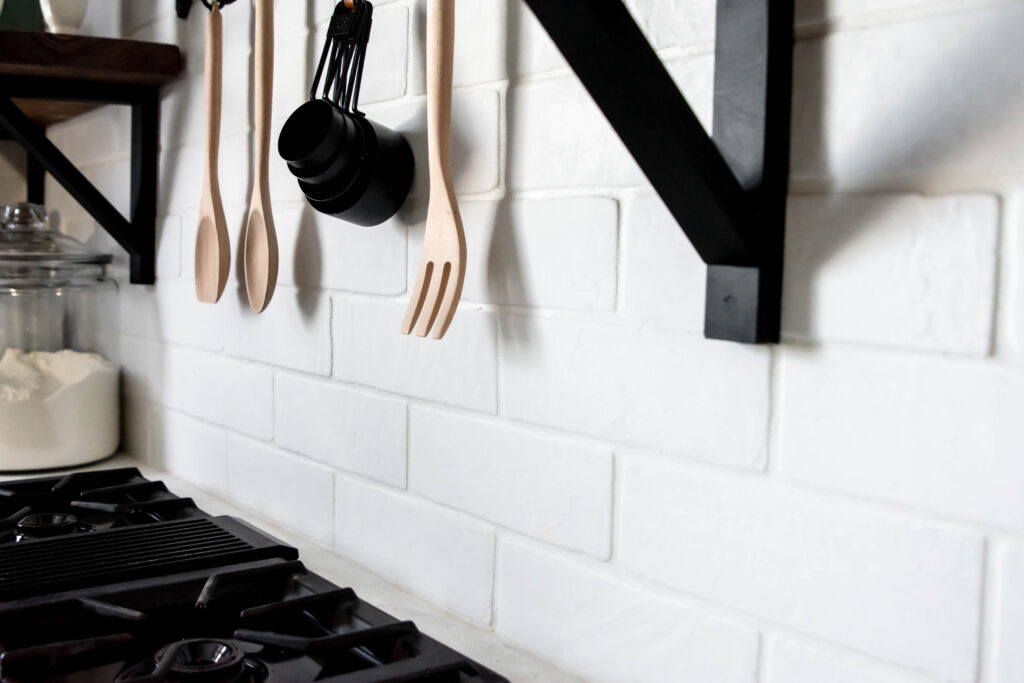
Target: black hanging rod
{"x":727,"y":191}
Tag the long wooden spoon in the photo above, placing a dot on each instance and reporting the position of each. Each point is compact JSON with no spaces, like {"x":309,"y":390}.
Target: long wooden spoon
{"x":260,"y":237}
{"x":213,"y":248}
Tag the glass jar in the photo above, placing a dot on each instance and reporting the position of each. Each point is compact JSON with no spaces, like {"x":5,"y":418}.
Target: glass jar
{"x":59,"y":350}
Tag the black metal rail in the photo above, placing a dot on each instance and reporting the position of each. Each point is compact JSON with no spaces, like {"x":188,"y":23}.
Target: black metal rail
{"x":137,"y":234}
{"x":727,"y":191}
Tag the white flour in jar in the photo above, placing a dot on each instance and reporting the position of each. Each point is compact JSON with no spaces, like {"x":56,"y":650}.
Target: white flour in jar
{"x":57,"y":409}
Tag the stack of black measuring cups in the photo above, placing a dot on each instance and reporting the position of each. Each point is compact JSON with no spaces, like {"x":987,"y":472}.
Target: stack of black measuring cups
{"x":347,"y":166}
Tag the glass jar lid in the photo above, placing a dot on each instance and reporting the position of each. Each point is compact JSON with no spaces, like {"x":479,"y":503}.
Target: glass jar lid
{"x":25,"y":237}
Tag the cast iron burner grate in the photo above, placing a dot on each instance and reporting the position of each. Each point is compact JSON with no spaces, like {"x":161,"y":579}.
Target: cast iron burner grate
{"x":259,"y":622}
{"x":108,"y":577}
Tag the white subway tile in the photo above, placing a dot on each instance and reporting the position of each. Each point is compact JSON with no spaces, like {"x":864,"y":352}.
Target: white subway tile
{"x":673,"y":392}
{"x":475,"y":138}
{"x":1012,"y":291}
{"x":930,"y":432}
{"x":294,"y":491}
{"x":1006,"y":657}
{"x":551,"y":488}
{"x":231,"y":393}
{"x":168,"y":247}
{"x":293,"y":332}
{"x":665,"y":279}
{"x":558,"y":138}
{"x":793,"y":660}
{"x":155,"y":372}
{"x":321,"y":252}
{"x":547,"y":253}
{"x":888,"y":585}
{"x":181,"y":175}
{"x":351,"y":430}
{"x":460,"y":370}
{"x":865,"y":102}
{"x":675,"y":24}
{"x":818,"y":11}
{"x":170,"y":312}
{"x":387,"y":56}
{"x":896,"y":270}
{"x":443,"y":557}
{"x":606,"y":631}
{"x":188,"y":449}
{"x":480,"y":43}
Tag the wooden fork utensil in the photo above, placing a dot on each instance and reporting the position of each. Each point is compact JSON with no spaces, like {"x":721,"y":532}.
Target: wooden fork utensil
{"x":438,"y":288}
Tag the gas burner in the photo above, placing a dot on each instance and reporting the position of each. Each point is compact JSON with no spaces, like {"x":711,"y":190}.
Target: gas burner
{"x":158,"y":591}
{"x":198,"y":660}
{"x":47,"y":525}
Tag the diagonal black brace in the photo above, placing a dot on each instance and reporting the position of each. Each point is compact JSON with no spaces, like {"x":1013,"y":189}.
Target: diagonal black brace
{"x":728,"y":192}
{"x":137,"y":236}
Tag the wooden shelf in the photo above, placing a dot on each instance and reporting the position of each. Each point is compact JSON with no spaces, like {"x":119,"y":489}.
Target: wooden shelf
{"x":45,"y":79}
{"x":82,"y":58}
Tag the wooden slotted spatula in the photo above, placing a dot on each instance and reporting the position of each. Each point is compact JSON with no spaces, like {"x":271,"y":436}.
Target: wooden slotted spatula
{"x":213,"y":247}
{"x":260,"y":237}
{"x":438,"y":288}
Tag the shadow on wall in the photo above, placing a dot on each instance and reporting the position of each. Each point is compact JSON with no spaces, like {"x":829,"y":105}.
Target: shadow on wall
{"x":872,"y":149}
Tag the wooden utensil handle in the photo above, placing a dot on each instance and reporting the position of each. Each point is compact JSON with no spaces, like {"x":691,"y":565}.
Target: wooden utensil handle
{"x":213,"y":66}
{"x":440,"y":61}
{"x":264,"y":88}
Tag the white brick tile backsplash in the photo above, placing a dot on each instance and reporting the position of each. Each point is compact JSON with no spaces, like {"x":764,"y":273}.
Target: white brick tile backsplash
{"x":318,"y":251}
{"x":168,"y":247}
{"x":1006,"y":660}
{"x":293,"y":490}
{"x":480,"y":43}
{"x":665,"y":279}
{"x":460,"y":370}
{"x":965,"y":60}
{"x":928,"y":432}
{"x":475,"y":139}
{"x":351,"y":430}
{"x":675,"y":24}
{"x":171,"y":313}
{"x":843,"y":507}
{"x":558,"y":138}
{"x":603,"y":630}
{"x":193,"y":450}
{"x":836,"y":570}
{"x":1012,"y":292}
{"x":673,"y":392}
{"x":387,"y":56}
{"x":441,"y":556}
{"x":153,"y":371}
{"x":896,"y":270}
{"x":551,"y":488}
{"x":293,"y":332}
{"x":231,"y":393}
{"x":792,"y":660}
{"x":545,"y":253}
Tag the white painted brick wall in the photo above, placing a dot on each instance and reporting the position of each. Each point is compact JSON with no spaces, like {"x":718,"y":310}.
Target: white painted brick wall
{"x":554,"y":489}
{"x":608,"y":630}
{"x":445,"y":557}
{"x":895,"y":588}
{"x":845,"y":507}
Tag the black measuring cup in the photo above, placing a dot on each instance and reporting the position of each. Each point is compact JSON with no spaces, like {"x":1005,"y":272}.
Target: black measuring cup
{"x":347,"y":165}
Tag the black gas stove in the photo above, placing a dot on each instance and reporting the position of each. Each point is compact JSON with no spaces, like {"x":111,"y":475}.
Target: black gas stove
{"x":107,"y":576}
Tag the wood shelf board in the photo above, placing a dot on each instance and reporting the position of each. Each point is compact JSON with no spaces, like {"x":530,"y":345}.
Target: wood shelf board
{"x":45,"y":55}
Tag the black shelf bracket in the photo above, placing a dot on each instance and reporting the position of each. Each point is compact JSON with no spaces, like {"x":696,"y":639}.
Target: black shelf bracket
{"x":137,"y":235}
{"x":727,"y":191}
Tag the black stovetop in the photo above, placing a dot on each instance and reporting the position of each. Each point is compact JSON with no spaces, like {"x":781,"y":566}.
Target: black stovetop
{"x":106,"y":576}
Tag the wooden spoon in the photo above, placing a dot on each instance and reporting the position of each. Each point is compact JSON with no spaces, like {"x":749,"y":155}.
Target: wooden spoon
{"x":213,"y":248}
{"x":260,"y":237}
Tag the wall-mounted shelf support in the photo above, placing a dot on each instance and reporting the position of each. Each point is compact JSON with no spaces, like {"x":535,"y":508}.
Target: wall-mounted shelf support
{"x":727,"y":191}
{"x":47,"y":79}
